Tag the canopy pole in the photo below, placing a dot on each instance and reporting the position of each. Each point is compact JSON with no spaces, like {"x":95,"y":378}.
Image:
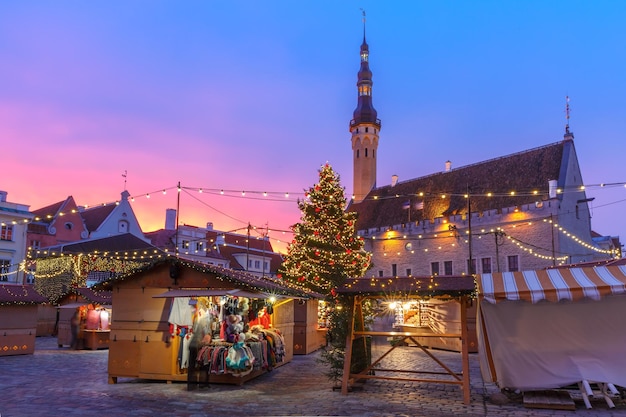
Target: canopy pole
{"x":465,"y":351}
{"x":347,"y":358}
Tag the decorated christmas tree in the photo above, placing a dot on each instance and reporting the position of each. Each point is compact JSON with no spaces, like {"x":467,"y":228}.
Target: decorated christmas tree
{"x":325,"y":252}
{"x":325,"y":249}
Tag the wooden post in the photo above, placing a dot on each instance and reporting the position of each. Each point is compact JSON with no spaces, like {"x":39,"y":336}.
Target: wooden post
{"x":347,"y":359}
{"x":465,"y":351}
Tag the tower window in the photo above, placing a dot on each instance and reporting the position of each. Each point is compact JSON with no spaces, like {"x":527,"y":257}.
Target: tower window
{"x":357,"y":153}
{"x":367,"y":129}
{"x":373,"y":153}
{"x":366,"y":152}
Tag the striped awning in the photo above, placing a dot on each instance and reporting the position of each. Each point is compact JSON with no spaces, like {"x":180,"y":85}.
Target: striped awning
{"x":553,"y":284}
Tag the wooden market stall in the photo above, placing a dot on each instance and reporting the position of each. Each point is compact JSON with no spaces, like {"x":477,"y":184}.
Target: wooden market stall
{"x":18,"y":319}
{"x":93,"y":309}
{"x":310,"y":326}
{"x":181,"y":321}
{"x":458,"y":288}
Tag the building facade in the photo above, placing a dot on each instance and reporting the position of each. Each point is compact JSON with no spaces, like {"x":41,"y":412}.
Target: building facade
{"x":522,"y":211}
{"x":14,"y":219}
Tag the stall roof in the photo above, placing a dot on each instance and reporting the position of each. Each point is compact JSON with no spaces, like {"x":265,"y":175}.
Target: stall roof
{"x":199,"y":292}
{"x":20,"y":294}
{"x":425,"y":286}
{"x":553,"y":284}
{"x":98,"y":297}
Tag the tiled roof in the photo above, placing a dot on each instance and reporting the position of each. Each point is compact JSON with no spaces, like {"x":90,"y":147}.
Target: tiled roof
{"x":435,"y":286}
{"x":20,"y":294}
{"x":229,"y":251}
{"x":520,"y":172}
{"x":52,"y":209}
{"x":255,"y":242}
{"x":162,"y":238}
{"x":94,"y":217}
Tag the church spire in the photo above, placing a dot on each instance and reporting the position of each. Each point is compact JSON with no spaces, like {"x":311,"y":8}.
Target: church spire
{"x":365,"y":127}
{"x":364,"y":112}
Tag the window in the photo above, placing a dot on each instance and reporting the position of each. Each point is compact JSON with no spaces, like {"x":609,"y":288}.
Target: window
{"x":366,"y":152}
{"x":513,"y":263}
{"x":486,"y":265}
{"x":447,"y":268}
{"x":408,"y":272}
{"x":35,"y":244}
{"x":434,"y":268}
{"x":266,"y":266}
{"x":5,"y":267}
{"x":257,"y":264}
{"x":7,"y":232}
{"x":373,"y":153}
{"x":366,"y":130}
{"x":69,"y":226}
{"x":380,"y":274}
{"x":199,"y":246}
{"x":357,"y":153}
{"x":394,"y":270}
{"x":122,"y":226}
{"x":185,"y":244}
{"x":471,"y":269}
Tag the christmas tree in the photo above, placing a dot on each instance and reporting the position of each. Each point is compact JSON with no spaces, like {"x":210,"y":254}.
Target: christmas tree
{"x":325,"y":249}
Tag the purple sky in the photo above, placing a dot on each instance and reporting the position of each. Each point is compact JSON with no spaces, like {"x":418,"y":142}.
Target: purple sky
{"x":256,"y":96}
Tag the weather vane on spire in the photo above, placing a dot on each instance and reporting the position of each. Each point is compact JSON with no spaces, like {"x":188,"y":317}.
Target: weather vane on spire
{"x":124,"y":175}
{"x":566,"y":114}
{"x":363,"y":11}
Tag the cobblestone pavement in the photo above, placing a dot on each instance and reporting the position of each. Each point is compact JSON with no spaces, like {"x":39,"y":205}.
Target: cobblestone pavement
{"x":62,"y":382}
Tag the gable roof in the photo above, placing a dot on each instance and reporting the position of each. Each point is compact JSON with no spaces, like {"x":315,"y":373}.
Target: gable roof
{"x":95,"y":216}
{"x":520,"y":172}
{"x":51,"y":210}
{"x":20,"y":294}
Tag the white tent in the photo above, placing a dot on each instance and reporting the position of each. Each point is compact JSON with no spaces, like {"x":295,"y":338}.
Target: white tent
{"x":552,"y":328}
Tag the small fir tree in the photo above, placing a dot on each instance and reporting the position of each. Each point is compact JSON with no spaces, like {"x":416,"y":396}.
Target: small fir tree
{"x":325,"y":249}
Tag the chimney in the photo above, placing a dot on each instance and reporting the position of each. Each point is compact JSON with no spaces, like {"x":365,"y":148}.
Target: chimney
{"x":170,"y":219}
{"x":552,"y":188}
{"x":448,"y":165}
{"x":209,"y":226}
{"x":3,"y":196}
{"x":394,"y":180}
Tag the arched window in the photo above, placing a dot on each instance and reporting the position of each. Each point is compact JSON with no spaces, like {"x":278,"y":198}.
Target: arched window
{"x":366,"y":152}
{"x":122,"y":226}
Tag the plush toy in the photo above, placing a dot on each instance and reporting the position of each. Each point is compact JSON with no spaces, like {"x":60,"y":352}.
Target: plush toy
{"x":234,"y":328}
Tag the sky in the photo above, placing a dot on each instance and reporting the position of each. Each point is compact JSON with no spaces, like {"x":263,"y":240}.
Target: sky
{"x":101,"y":96}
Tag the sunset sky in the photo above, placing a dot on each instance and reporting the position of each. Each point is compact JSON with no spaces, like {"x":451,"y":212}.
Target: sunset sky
{"x":256,"y":95}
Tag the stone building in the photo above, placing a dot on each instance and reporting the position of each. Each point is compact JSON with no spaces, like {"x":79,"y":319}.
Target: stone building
{"x":522,"y":211}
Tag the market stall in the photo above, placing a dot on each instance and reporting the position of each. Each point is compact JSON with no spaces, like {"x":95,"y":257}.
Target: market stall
{"x":18,"y":319}
{"x":551,"y":328}
{"x":91,"y":311}
{"x":460,"y":289}
{"x":310,"y":326}
{"x":183,"y":321}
